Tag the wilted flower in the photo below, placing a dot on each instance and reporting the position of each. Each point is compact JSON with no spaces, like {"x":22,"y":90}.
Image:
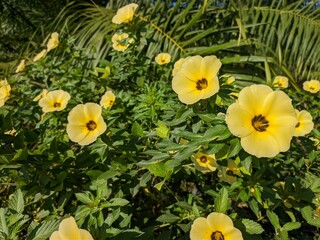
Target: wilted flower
{"x":40,"y":95}
{"x":304,"y":125}
{"x":217,"y":226}
{"x":120,"y":42}
{"x":177,"y":65}
{"x":4,"y":92}
{"x":21,"y":66}
{"x":107,"y":99}
{"x":53,"y":42}
{"x":125,"y":14}
{"x":205,"y":162}
{"x":263,"y":119}
{"x":68,"y":230}
{"x":230,"y":80}
{"x":40,"y":55}
{"x":163,"y":58}
{"x":85,"y":123}
{"x":197,"y":79}
{"x":312,"y":86}
{"x":281,"y":81}
{"x":54,"y":101}
{"x":229,"y":173}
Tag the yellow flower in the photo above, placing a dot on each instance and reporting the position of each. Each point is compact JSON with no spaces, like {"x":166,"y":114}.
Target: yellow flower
{"x":40,"y":95}
{"x":163,"y":58}
{"x":68,"y":230}
{"x":230,"y":80}
{"x":304,"y":125}
{"x":312,"y":86}
{"x":4,"y":92}
{"x":125,"y":14}
{"x":54,"y":101}
{"x":21,"y":66}
{"x":197,"y":79}
{"x":107,"y":99}
{"x":263,"y":119}
{"x":40,"y":55}
{"x":53,"y":42}
{"x":217,"y":226}
{"x":85,"y":123}
{"x":177,"y":66}
{"x":120,"y":42}
{"x":204,"y":162}
{"x":281,"y":81}
{"x":228,"y":174}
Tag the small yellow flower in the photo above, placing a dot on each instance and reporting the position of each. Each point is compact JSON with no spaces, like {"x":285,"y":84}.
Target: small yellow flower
{"x":230,"y":80}
{"x":68,"y":230}
{"x":163,"y":58}
{"x":4,"y":92}
{"x":177,"y":65}
{"x":304,"y":125}
{"x":21,"y":66}
{"x":54,"y":101}
{"x":85,"y":123}
{"x":264,"y":120}
{"x":217,"y":226}
{"x":229,"y":173}
{"x":53,"y":42}
{"x":40,"y":55}
{"x":281,"y":82}
{"x":197,"y":79}
{"x":40,"y":95}
{"x":312,"y":86}
{"x":121,"y":42}
{"x":204,"y":162}
{"x":125,"y":14}
{"x":107,"y":99}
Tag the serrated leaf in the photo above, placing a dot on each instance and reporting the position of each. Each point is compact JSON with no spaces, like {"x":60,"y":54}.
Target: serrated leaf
{"x":252,"y":227}
{"x":234,"y":148}
{"x":291,"y":226}
{"x":274,"y":219}
{"x":16,"y":201}
{"x":221,"y":201}
{"x":117,"y":202}
{"x":84,"y":198}
{"x":43,"y":231}
{"x":168,"y":218}
{"x":137,"y":130}
{"x":162,"y":130}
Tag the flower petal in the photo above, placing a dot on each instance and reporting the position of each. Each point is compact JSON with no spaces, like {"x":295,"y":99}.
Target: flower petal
{"x":210,"y":67}
{"x":68,"y":229}
{"x":200,"y":230}
{"x":219,"y":222}
{"x":85,"y":235}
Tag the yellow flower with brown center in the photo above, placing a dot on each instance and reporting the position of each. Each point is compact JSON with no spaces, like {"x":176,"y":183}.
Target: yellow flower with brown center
{"x":312,"y":86}
{"x":197,"y":79}
{"x":281,"y":82}
{"x":4,"y":92}
{"x":40,"y":55}
{"x":163,"y":58}
{"x":68,"y":230}
{"x":121,"y":42}
{"x":205,"y":162}
{"x":107,"y":99}
{"x":85,"y":123}
{"x":53,"y":42}
{"x":40,"y":95}
{"x":264,"y":120}
{"x":305,"y":123}
{"x":21,"y":66}
{"x":230,"y":173}
{"x":177,"y":65}
{"x":125,"y":14}
{"x":54,"y":101}
{"x":217,"y":226}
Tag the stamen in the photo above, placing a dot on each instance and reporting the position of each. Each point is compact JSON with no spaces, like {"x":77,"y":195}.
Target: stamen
{"x":297,"y":125}
{"x":56,"y":104}
{"x":202,"y":84}
{"x":217,"y":236}
{"x":260,"y":123}
{"x":91,"y":125}
{"x":203,"y":159}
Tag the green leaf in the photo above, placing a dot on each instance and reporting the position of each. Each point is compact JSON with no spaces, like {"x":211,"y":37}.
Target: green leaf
{"x":221,"y":201}
{"x":274,"y":219}
{"x":162,"y":130}
{"x":117,"y":202}
{"x":84,"y":198}
{"x":158,"y":169}
{"x":234,"y":148}
{"x":43,"y":231}
{"x":17,"y":202}
{"x":291,"y":226}
{"x":168,"y":218}
{"x":252,"y":227}
{"x":137,"y":130}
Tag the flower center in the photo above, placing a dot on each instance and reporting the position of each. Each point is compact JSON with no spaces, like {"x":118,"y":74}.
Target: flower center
{"x":312,"y":88}
{"x":202,"y":84}
{"x":203,"y":159}
{"x":297,"y":125}
{"x":57,"y":104}
{"x":91,"y":125}
{"x":217,"y":236}
{"x":260,"y":123}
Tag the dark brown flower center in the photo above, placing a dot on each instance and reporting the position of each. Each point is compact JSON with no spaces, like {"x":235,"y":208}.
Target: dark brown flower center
{"x":298,"y":124}
{"x":91,"y":125}
{"x":203,"y":159}
{"x":260,"y":123}
{"x":217,"y":236}
{"x":312,"y":88}
{"x":202,"y":84}
{"x":57,"y":104}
